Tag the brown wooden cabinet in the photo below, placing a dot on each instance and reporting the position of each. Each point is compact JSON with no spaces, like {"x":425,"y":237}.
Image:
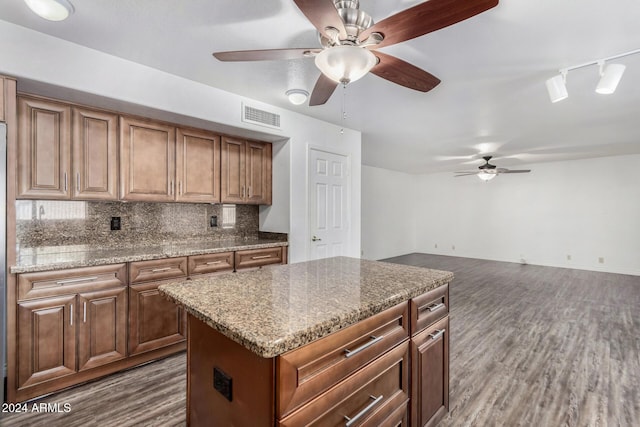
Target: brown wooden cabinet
{"x":154,"y":321}
{"x":44,"y":144}
{"x":102,"y":327}
{"x":147,"y":160}
{"x":197,"y":166}
{"x":430,"y":357}
{"x":245,"y":171}
{"x":7,"y":97}
{"x":68,"y":321}
{"x":94,"y":155}
{"x":65,"y":152}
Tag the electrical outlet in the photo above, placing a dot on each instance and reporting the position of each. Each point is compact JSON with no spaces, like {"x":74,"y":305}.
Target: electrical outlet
{"x":223,"y":383}
{"x":568,"y":257}
{"x":601,"y":260}
{"x":213,"y":221}
{"x":115,"y":223}
{"x":453,"y":247}
{"x":436,"y":246}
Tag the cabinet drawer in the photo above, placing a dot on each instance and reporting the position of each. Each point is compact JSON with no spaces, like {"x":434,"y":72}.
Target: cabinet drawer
{"x":258,"y":257}
{"x":71,"y":281}
{"x":159,"y":269}
{"x":210,"y":263}
{"x":310,"y":370}
{"x":429,"y":307}
{"x":367,"y":398}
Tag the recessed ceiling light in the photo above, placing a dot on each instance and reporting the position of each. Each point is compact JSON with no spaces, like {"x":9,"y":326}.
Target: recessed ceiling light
{"x":52,"y":10}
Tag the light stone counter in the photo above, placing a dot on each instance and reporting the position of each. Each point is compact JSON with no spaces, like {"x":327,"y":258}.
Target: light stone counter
{"x":32,"y":260}
{"x":280,"y":308}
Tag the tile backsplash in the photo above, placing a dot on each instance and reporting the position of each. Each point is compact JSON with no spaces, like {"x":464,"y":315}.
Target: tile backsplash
{"x":61,"y":223}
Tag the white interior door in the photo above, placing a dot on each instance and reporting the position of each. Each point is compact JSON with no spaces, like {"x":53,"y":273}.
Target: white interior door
{"x":329,"y":204}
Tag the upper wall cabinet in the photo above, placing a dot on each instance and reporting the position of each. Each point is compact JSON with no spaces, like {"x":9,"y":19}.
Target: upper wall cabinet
{"x":65,"y":152}
{"x":245,"y":171}
{"x":147,"y":162}
{"x":95,"y":155}
{"x":197,"y":166}
{"x":7,"y":97}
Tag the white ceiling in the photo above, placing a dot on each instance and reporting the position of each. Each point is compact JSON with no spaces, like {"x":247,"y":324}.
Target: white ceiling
{"x":493,"y":67}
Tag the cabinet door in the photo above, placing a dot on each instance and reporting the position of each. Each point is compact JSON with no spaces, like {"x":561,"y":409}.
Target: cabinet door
{"x":154,"y":321}
{"x":258,"y":166}
{"x":44,"y":140}
{"x":197,"y":166}
{"x":430,"y":370}
{"x":94,"y":155}
{"x":102,"y":327}
{"x":46,"y":339}
{"x":147,"y":160}
{"x":233,"y":172}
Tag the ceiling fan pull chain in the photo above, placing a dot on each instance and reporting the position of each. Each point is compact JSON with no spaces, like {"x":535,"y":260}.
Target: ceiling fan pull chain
{"x":344,"y":106}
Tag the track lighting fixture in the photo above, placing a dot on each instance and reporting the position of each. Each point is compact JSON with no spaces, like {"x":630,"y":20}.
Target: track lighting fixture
{"x":610,"y":75}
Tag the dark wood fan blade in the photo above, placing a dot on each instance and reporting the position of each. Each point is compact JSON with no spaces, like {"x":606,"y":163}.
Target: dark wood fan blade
{"x":466,"y":174}
{"x":322,"y":14}
{"x":516,"y":171}
{"x":322,"y":91}
{"x":266,"y":54}
{"x":426,"y":17}
{"x":400,"y":72}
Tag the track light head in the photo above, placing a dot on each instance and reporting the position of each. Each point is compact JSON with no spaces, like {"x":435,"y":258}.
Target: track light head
{"x":610,"y":77}
{"x":557,"y":88}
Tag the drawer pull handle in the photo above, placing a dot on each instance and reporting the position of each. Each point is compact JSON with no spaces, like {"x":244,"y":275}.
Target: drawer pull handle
{"x":81,"y":279}
{"x":434,"y":307}
{"x":214,"y":262}
{"x":349,"y":353}
{"x":71,"y":315}
{"x":351,"y":421}
{"x":437,"y":334}
{"x":160,"y":270}
{"x":84,"y":316}
{"x":261,"y":257}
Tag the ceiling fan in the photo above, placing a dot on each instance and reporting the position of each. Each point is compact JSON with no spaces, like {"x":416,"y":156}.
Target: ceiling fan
{"x":349,"y":41}
{"x":488,"y":171}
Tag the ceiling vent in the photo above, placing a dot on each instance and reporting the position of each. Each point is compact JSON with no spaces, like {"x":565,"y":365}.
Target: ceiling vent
{"x":260,"y":117}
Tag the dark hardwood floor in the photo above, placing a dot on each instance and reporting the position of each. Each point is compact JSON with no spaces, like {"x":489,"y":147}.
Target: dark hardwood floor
{"x":530,"y":346}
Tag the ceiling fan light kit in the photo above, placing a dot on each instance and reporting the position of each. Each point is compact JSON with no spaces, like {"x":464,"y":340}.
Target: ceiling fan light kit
{"x":610,"y":76}
{"x":345,"y":64}
{"x":486,"y":176}
{"x":51,"y":10}
{"x":349,"y":40}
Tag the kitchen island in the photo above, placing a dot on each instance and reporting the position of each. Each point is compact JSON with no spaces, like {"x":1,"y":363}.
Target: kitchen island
{"x":321,"y":342}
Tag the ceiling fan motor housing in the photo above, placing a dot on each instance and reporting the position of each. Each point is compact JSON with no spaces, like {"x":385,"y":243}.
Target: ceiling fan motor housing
{"x":355,"y":20}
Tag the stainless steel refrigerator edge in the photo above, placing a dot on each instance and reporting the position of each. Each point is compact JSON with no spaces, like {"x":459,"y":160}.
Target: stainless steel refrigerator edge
{"x":3,"y":254}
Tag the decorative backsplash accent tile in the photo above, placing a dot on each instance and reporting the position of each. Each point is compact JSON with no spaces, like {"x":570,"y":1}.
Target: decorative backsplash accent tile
{"x":60,"y":223}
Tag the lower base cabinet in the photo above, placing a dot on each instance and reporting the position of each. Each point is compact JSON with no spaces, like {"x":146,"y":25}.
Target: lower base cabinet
{"x":154,"y":321}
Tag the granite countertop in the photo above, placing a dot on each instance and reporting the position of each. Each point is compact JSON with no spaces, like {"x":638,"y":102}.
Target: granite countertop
{"x":280,"y":308}
{"x":59,"y":257}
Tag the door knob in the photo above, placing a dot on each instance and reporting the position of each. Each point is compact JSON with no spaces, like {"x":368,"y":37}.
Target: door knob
{"x":315,"y":239}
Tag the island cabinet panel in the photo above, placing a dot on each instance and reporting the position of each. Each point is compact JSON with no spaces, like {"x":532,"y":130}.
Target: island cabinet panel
{"x":197,"y":166}
{"x":430,"y":367}
{"x":210,"y":263}
{"x":306,"y":372}
{"x":94,"y":155}
{"x":429,"y":307}
{"x":147,"y":160}
{"x":102,"y":327}
{"x":46,"y":331}
{"x":252,"y":258}
{"x":370,"y":397}
{"x":44,"y":143}
{"x":249,"y":400}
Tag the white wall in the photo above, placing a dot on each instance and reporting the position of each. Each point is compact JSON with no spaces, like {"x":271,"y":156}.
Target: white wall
{"x":69,"y":71}
{"x":388,"y":213}
{"x":588,"y":209}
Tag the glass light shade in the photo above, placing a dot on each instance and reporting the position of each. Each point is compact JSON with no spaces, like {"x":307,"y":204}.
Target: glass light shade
{"x":557,"y":89}
{"x":297,"y":96}
{"x":52,"y":10}
{"x":610,"y":79}
{"x":486,"y":176}
{"x":345,"y":64}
